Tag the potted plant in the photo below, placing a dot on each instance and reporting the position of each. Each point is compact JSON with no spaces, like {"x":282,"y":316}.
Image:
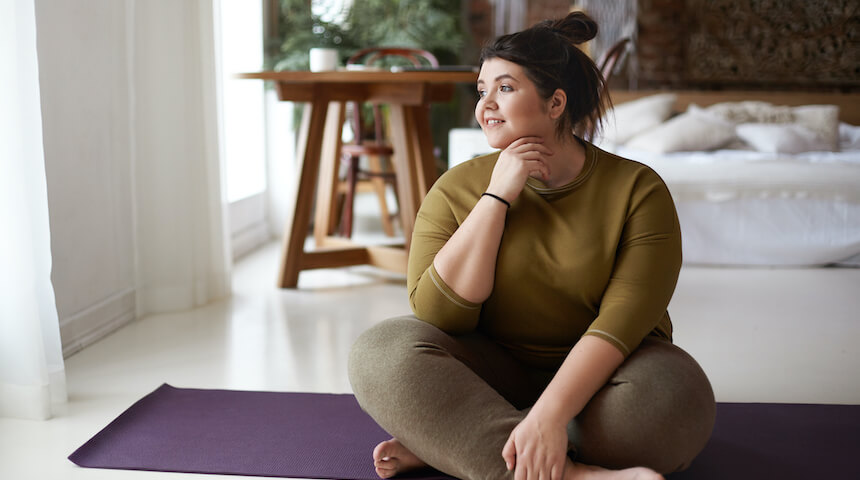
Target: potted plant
{"x":432,"y":25}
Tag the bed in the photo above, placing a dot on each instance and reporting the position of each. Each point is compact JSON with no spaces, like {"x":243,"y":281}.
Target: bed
{"x":760,"y":179}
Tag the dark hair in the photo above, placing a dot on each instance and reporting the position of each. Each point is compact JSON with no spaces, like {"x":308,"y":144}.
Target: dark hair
{"x":548,"y":54}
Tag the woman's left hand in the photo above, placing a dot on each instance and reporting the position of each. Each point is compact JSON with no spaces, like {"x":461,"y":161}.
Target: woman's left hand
{"x":537,"y":448}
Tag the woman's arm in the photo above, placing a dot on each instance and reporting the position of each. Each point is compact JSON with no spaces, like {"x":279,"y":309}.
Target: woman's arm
{"x":467,"y":262}
{"x":587,"y":368}
{"x":643,"y":278}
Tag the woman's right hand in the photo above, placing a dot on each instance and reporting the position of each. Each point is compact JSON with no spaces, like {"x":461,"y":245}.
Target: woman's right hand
{"x":524,"y":157}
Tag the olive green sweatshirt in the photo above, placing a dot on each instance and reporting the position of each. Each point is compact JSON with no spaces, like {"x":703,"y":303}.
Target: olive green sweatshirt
{"x":598,"y":256}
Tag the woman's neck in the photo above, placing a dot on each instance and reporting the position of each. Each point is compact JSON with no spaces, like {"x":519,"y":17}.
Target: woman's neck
{"x":566,"y":162}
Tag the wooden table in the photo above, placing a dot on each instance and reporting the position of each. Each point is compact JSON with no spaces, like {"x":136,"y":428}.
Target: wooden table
{"x":408,"y":95}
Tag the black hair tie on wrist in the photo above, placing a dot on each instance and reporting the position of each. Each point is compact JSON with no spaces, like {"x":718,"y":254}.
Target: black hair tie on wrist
{"x":497,"y":198}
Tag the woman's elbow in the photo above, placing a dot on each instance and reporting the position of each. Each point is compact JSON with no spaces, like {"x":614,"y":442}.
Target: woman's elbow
{"x":450,"y":324}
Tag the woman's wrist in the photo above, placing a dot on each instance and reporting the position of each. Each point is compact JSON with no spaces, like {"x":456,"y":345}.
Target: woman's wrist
{"x":551,"y":411}
{"x":497,"y":198}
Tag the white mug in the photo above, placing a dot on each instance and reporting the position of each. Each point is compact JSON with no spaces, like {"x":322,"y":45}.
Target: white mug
{"x":323,"y":59}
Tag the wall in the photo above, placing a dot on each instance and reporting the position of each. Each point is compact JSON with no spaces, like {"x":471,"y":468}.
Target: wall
{"x":776,"y":44}
{"x":720,"y":44}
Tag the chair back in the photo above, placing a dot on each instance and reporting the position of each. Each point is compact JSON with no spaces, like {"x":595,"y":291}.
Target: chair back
{"x":368,"y":56}
{"x":374,"y":54}
{"x":612,"y":57}
{"x":607,"y":64}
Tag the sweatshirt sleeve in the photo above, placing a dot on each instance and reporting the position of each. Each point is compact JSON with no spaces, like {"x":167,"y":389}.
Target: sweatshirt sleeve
{"x":646,"y":269}
{"x":430,"y":298}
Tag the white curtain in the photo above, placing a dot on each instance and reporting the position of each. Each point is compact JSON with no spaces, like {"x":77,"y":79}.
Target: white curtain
{"x":32,"y":375}
{"x":182,"y":236}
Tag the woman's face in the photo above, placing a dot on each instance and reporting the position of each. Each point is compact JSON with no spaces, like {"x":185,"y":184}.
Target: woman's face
{"x":509,"y":106}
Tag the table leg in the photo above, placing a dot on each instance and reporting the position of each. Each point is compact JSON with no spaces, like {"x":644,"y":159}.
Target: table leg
{"x":423,"y":142}
{"x":404,"y":165}
{"x":411,"y":134}
{"x":308,"y":154}
{"x":326,"y":205}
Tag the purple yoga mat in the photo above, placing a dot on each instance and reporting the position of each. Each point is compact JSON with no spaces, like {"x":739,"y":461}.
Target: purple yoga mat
{"x":297,"y":435}
{"x":309,"y":435}
{"x":781,"y":441}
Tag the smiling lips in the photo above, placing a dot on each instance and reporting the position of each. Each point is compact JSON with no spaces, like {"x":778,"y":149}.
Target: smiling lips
{"x":494,"y":121}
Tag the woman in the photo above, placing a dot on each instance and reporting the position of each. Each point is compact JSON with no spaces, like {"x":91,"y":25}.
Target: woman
{"x":540,"y":277}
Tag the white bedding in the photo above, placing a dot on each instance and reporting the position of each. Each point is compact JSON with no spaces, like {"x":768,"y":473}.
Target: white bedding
{"x":743,"y":207}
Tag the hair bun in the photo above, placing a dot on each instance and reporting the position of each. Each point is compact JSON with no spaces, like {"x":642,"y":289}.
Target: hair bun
{"x":576,"y":27}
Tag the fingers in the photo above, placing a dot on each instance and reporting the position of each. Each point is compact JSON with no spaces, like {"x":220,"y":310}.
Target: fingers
{"x":529,"y":161}
{"x":538,"y":168}
{"x":509,"y":453}
{"x":529,"y":147}
{"x":526,"y":140}
{"x":525,"y":157}
{"x":557,"y":472}
{"x":533,"y":155}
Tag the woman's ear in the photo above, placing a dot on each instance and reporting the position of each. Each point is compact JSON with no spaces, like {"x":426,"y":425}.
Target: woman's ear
{"x":557,"y":103}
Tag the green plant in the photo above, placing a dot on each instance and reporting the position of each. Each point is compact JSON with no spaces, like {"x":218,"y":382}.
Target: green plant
{"x":432,"y":25}
{"x":298,"y":31}
{"x":429,"y":24}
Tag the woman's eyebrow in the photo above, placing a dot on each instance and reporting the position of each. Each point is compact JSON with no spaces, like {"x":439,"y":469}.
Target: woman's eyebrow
{"x":500,"y":77}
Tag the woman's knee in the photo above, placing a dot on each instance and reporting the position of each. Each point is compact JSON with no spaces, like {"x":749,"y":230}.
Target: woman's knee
{"x":658,"y":411}
{"x":382,"y":352}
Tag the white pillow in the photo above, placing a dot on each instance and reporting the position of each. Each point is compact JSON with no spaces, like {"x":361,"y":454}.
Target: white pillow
{"x":821,"y":119}
{"x":693,"y":130}
{"x":782,"y":138}
{"x":630,"y":118}
{"x":751,"y":111}
{"x":849,"y":136}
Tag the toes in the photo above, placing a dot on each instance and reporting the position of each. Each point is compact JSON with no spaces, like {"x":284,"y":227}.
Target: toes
{"x":380,"y":453}
{"x":383,"y":450}
{"x":387,"y":463}
{"x":385,"y":472}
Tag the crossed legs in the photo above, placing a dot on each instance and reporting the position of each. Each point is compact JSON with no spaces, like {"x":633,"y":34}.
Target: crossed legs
{"x":451,"y":402}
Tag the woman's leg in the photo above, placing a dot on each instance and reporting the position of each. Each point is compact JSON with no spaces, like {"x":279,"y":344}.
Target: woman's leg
{"x":452,"y":401}
{"x":656,"y":411}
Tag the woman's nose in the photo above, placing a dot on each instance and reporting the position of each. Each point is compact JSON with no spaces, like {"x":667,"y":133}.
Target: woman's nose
{"x":490,"y":101}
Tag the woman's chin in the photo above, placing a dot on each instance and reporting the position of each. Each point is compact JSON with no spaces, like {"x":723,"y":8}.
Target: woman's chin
{"x":498,"y":144}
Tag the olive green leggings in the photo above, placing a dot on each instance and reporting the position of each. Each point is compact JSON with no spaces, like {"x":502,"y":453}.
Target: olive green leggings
{"x":453,"y":401}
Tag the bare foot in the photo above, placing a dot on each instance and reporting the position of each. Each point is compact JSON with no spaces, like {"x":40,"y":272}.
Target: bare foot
{"x":580,"y":471}
{"x":391,"y":457}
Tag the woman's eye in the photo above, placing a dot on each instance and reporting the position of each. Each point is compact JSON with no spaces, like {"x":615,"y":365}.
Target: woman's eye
{"x":506,"y":88}
{"x":482,"y":93}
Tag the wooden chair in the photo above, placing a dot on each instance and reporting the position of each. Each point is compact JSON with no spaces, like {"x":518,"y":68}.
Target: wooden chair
{"x":375,"y":148}
{"x":607,"y":63}
{"x":614,"y":56}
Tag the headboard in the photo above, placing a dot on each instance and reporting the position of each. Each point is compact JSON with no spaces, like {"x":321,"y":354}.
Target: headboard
{"x":849,"y":103}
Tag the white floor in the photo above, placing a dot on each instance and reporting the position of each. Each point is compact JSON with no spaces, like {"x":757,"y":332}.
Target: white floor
{"x":761,"y":335}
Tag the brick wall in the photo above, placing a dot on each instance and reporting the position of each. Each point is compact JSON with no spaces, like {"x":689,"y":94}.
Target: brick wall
{"x":737,"y":44}
{"x":659,"y":46}
{"x":726,"y":44}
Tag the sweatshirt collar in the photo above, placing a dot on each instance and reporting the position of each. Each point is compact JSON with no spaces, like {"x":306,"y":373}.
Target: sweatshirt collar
{"x":587,"y":168}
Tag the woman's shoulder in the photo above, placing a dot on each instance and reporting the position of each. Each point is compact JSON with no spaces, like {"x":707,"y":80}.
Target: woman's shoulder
{"x":458,"y":189}
{"x":469,"y":174}
{"x":624,"y":168}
